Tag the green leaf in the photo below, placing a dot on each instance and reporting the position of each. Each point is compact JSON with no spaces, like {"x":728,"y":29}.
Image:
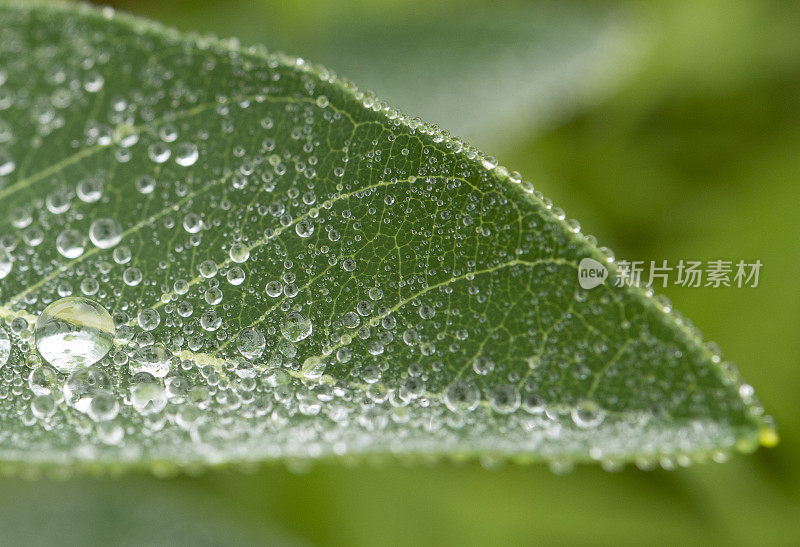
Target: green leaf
{"x":298,"y":271}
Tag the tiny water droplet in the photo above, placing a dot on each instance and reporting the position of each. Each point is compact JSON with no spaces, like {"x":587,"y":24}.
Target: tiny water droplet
{"x":43,"y":380}
{"x":274,"y":289}
{"x":210,"y":321}
{"x":158,"y":152}
{"x":192,"y":223}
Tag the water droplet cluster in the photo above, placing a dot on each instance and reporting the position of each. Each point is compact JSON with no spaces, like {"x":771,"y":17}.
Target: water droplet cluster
{"x":230,"y":255}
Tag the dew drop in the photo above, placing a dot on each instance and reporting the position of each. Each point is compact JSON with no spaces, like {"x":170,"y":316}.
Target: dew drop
{"x":426,"y":311}
{"x":94,"y":82}
{"x":505,"y":399}
{"x":295,"y":327}
{"x":304,"y":228}
{"x":192,"y":223}
{"x":58,"y":202}
{"x":104,"y":406}
{"x":43,"y":380}
{"x":148,"y":319}
{"x":235,"y":276}
{"x":122,"y":255}
{"x":313,"y":367}
{"x":82,"y":385}
{"x":43,"y":406}
{"x":147,"y":394}
{"x":105,"y":233}
{"x":158,"y":152}
{"x":154,"y":359}
{"x":210,"y":321}
{"x":132,"y":276}
{"x":6,"y":262}
{"x":145,"y":184}
{"x":213,"y":296}
{"x":482,"y":365}
{"x":208,"y":269}
{"x":70,"y":243}
{"x":5,"y":347}
{"x":21,"y":217}
{"x":90,"y":190}
{"x":351,"y":320}
{"x":274,"y":289}
{"x":186,"y":154}
{"x":7,"y":164}
{"x":588,"y":414}
{"x":251,"y":343}
{"x":73,"y":332}
{"x":239,"y":253}
{"x":462,"y":396}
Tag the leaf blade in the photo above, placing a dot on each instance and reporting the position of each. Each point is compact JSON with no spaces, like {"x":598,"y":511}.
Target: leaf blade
{"x":440,"y":293}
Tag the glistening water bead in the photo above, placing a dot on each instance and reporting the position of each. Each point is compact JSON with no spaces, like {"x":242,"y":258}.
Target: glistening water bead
{"x":295,"y":327}
{"x":73,"y":332}
{"x":6,"y":263}
{"x":5,"y":347}
{"x":105,"y":233}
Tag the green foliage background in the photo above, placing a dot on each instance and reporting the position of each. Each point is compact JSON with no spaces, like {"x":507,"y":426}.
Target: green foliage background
{"x":693,"y":152}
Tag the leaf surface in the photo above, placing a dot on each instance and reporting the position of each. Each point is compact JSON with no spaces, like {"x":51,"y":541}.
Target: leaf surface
{"x":297,"y":270}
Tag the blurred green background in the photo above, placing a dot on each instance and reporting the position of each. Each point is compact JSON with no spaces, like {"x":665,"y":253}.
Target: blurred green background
{"x":670,"y":130}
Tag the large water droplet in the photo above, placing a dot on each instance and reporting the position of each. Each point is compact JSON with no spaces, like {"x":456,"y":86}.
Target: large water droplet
{"x":73,"y":332}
